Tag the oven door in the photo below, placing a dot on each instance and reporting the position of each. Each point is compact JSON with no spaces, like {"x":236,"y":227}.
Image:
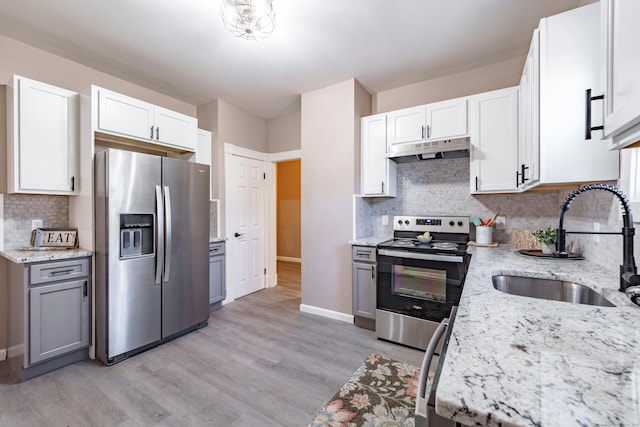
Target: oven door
{"x":421,"y":285}
{"x":425,"y":413}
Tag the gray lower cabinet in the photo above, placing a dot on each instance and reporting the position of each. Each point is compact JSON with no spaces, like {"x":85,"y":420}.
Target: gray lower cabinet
{"x":364,"y":286}
{"x":49,"y":315}
{"x":217,"y":283}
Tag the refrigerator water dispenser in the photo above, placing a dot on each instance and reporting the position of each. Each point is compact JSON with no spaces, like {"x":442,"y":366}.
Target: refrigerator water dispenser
{"x":136,"y":235}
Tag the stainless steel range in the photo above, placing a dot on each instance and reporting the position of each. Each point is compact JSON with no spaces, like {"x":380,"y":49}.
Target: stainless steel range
{"x":419,"y":283}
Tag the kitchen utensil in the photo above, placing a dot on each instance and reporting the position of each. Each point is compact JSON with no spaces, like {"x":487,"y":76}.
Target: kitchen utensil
{"x":476,"y":221}
{"x":493,"y":220}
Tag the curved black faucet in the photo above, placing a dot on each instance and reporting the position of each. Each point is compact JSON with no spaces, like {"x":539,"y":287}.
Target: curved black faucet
{"x":628,"y":270}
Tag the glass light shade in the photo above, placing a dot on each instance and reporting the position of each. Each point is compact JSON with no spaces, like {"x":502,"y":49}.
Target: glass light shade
{"x":249,"y":19}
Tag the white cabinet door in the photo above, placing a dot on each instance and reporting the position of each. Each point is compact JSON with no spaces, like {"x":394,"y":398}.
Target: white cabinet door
{"x":43,"y":139}
{"x":529,"y":143}
{"x":124,"y":115}
{"x":406,"y":125}
{"x":494,"y":141}
{"x":175,"y":128}
{"x":447,"y":119}
{"x":378,"y":172}
{"x":566,"y":156}
{"x":620,"y":60}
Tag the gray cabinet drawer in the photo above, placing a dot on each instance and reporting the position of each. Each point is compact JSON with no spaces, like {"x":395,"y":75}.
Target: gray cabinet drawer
{"x":216,"y":248}
{"x":364,"y":253}
{"x":58,"y":270}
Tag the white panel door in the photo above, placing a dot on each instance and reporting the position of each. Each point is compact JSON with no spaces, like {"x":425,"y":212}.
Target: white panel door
{"x":246,"y":226}
{"x":405,"y":125}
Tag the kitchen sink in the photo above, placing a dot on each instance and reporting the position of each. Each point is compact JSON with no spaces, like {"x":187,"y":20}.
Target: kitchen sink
{"x":556,"y":290}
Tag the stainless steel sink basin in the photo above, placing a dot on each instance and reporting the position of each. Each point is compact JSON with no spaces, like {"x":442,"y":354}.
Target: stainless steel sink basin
{"x":549,"y":289}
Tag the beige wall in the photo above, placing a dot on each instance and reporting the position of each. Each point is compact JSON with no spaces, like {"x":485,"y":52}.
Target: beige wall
{"x":284,"y":133}
{"x":229,"y":125}
{"x":327,"y":144}
{"x":495,"y":76}
{"x":288,"y":209}
{"x":22,"y":59}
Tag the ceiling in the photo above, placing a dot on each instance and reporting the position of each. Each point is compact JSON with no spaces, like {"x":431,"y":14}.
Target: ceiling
{"x":182,"y":49}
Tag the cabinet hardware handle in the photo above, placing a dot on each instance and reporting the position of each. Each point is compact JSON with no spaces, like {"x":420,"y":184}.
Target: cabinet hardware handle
{"x":517,"y":179}
{"x":476,"y":183}
{"x":373,"y":271}
{"x":428,"y":131}
{"x":423,"y":132}
{"x":59,"y":272}
{"x":73,"y":183}
{"x":151,"y":136}
{"x":382,"y":187}
{"x":524,"y":168}
{"x":84,"y":288}
{"x":587,"y":120}
{"x":157,"y":133}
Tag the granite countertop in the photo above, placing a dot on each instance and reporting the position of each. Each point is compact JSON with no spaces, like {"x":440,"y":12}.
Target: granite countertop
{"x":370,"y":241}
{"x":529,"y":362}
{"x":24,"y":257}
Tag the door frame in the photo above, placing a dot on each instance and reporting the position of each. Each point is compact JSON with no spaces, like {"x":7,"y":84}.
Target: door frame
{"x":270,"y":248}
{"x":271,"y":196}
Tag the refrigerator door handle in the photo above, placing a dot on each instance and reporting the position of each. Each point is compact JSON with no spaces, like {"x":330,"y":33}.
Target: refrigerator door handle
{"x":159,"y":234}
{"x":167,"y":254}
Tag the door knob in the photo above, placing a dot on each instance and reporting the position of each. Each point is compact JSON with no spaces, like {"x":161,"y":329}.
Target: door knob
{"x":238,"y":234}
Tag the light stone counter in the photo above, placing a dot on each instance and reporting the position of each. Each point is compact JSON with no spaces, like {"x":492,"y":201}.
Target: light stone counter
{"x":529,"y":362}
{"x":369,"y":241}
{"x":24,"y":257}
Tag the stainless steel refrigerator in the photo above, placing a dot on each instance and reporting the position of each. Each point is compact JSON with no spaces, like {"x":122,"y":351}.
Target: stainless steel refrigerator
{"x":152,"y":249}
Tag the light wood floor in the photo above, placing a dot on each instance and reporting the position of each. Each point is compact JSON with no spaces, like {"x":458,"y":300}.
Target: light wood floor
{"x":260,"y":362}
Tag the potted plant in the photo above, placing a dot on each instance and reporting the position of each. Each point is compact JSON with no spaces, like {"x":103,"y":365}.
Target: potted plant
{"x":547,"y":239}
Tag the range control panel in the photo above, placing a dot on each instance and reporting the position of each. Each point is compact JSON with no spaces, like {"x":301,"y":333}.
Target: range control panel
{"x":442,"y":224}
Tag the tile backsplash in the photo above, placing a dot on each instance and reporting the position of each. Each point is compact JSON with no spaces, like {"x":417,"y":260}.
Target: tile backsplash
{"x":20,"y":209}
{"x":213,"y":220}
{"x":441,"y":187}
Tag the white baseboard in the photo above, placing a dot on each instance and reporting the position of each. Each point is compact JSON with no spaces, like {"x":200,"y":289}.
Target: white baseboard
{"x":289,"y":259}
{"x":326,"y":313}
{"x":3,"y":354}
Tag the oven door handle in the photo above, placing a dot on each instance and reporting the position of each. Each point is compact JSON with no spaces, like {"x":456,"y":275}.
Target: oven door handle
{"x":421,"y":397}
{"x":421,"y":256}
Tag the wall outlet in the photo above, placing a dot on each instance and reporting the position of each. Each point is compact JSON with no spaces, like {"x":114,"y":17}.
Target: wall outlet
{"x":596,"y":228}
{"x":385,"y":219}
{"x":501,"y":223}
{"x":37,"y":223}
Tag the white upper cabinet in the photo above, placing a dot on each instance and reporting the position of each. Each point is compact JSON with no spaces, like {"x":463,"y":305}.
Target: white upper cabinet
{"x":131,"y":118}
{"x":527,"y":169}
{"x":431,"y":122}
{"x":447,"y":119}
{"x":494,"y":141}
{"x":568,"y":66}
{"x":378,"y":173}
{"x":42,"y":138}
{"x":620,"y":62}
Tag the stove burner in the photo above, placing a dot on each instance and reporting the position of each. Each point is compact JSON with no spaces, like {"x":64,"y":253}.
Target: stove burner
{"x":445,"y":245}
{"x":404,"y":242}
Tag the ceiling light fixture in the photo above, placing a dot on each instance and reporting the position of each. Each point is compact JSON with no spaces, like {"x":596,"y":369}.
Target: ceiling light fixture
{"x":249,"y":19}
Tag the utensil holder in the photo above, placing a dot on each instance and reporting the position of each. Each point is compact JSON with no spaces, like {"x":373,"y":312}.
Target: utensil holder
{"x":484,"y":235}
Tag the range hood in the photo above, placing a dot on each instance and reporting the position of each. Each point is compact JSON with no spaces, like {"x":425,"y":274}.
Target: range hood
{"x":426,"y":150}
